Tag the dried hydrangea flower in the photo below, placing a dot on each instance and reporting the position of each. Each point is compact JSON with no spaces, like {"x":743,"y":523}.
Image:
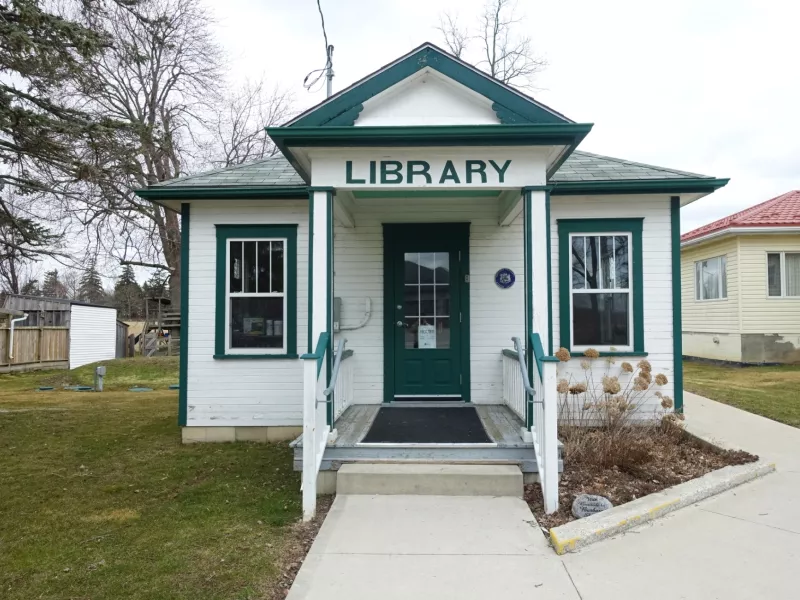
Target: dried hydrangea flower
{"x":681,"y":416}
{"x":591,"y":353}
{"x":611,"y":385}
{"x":627,"y":367}
{"x":578,"y":388}
{"x":644,"y":365}
{"x":666,"y":402}
{"x":647,"y":376}
{"x":586,"y":365}
{"x":661,"y":379}
{"x":563,"y":386}
{"x":640,"y":384}
{"x":563,"y":355}
{"x":587,"y":405}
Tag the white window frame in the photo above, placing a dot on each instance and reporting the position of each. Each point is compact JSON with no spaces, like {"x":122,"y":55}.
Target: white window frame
{"x":782,"y":254}
{"x":229,"y":295}
{"x":629,"y":290}
{"x":698,"y":290}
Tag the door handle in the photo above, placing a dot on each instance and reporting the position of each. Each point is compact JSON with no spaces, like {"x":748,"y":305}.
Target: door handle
{"x":401,"y":324}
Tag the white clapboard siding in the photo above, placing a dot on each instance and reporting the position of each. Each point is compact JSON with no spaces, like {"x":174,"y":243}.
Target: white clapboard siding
{"x":92,"y":334}
{"x":240,"y":392}
{"x":496,"y":315}
{"x":657,"y":266}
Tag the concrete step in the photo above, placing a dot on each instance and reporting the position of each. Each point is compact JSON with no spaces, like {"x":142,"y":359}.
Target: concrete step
{"x":429,"y":479}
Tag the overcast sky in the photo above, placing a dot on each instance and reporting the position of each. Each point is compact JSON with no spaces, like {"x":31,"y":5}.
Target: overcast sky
{"x":709,"y":86}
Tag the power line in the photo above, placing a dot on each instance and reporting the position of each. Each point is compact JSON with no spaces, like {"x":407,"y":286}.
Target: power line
{"x":313,"y":78}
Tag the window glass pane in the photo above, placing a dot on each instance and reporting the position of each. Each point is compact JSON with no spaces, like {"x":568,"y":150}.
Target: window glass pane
{"x":592,"y":262}
{"x":774,"y":274}
{"x":607,"y":262}
{"x":442,"y":267}
{"x":412,"y":267}
{"x":412,"y":332}
{"x":426,"y":300}
{"x":277,"y":251}
{"x":443,"y":333}
{"x":710,"y":279}
{"x":792,"y":264}
{"x":249,"y":267}
{"x":256,"y":322}
{"x":411,"y":301}
{"x":578,"y":267}
{"x":427,"y":264}
{"x":621,"y":261}
{"x":235,"y":266}
{"x":723,"y":269}
{"x":600,"y":319}
{"x":697,"y":285}
{"x":263,"y":267}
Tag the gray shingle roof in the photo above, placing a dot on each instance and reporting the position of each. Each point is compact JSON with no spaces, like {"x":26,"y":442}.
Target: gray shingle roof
{"x":276,"y":171}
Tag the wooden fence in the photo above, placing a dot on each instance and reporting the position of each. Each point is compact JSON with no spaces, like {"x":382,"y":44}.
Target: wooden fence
{"x":35,"y":348}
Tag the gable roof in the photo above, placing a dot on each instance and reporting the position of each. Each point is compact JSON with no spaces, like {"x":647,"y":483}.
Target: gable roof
{"x":276,"y":177}
{"x":782,"y":211}
{"x":510,"y":105}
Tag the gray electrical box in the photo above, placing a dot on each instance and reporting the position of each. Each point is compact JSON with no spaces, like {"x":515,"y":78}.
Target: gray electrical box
{"x":337,"y":313}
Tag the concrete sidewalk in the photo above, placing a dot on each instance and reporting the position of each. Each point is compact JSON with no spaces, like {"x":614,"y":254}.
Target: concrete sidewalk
{"x":741,"y":544}
{"x":431,"y":548}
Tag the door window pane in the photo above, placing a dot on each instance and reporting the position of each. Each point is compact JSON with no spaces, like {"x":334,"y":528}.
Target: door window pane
{"x":427,"y":266}
{"x":601,"y":319}
{"x":442,"y":274}
{"x":256,"y":322}
{"x":442,"y":333}
{"x":774,"y":273}
{"x":426,"y":300}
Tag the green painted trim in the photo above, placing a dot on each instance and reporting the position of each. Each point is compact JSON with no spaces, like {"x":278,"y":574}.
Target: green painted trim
{"x":310,"y":307}
{"x":388,"y":309}
{"x":538,"y":353}
{"x":510,"y":106}
{"x":687,"y":185}
{"x":179,"y":192}
{"x":320,"y":351}
{"x":255,"y":356}
{"x":677,"y":309}
{"x":545,"y":359}
{"x":549,"y":234}
{"x":527,"y":223}
{"x":183,"y":392}
{"x":329,"y":303}
{"x":321,"y":188}
{"x":224,"y":232}
{"x":600,"y":226}
{"x":466,"y":326}
{"x":425,"y":193}
{"x":537,"y":188}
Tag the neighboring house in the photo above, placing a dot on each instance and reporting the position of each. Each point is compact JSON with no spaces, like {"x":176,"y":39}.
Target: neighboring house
{"x":57,"y":333}
{"x":428,"y":214}
{"x":741,"y":285}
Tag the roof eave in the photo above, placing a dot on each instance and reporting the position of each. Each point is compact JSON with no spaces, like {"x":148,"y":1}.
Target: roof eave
{"x":638,"y":186}
{"x":718,"y":234}
{"x":176,"y":192}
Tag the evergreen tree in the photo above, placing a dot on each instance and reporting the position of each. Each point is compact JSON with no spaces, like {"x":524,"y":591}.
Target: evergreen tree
{"x":128,"y":296}
{"x":31,"y":288}
{"x":91,"y":286}
{"x":156,"y":286}
{"x":52,"y":286}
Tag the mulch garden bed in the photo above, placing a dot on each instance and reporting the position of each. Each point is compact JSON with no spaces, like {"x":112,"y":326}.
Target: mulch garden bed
{"x":295,"y":552}
{"x":687,"y":459}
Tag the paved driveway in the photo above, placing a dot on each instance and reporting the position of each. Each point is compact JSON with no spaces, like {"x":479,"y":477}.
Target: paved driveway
{"x":741,"y":544}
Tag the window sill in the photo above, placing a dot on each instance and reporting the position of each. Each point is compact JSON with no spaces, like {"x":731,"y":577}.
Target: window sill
{"x":254,"y":356}
{"x":632,"y":353}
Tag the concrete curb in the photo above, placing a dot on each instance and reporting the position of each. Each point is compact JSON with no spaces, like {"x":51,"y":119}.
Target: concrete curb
{"x":572,"y":536}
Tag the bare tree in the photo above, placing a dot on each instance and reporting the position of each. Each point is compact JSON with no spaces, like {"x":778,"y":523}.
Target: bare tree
{"x":238,"y":132}
{"x":160,"y":77}
{"x":506,"y":51}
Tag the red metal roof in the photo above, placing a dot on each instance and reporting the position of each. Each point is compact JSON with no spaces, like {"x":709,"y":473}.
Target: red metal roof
{"x":783,"y":211}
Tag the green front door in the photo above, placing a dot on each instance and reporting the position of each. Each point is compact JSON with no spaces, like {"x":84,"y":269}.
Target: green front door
{"x":427,"y":341}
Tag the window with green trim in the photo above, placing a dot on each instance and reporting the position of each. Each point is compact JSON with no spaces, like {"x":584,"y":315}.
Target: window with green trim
{"x":600,"y":284}
{"x":256,"y":291}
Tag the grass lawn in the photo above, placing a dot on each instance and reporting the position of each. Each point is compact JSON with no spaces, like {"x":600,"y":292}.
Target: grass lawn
{"x":772,"y":392}
{"x":100,"y":500}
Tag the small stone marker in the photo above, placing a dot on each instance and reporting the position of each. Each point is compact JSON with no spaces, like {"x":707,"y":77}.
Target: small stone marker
{"x":587,"y":505}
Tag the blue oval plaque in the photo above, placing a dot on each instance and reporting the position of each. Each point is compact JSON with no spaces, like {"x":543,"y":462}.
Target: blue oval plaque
{"x":505,"y":278}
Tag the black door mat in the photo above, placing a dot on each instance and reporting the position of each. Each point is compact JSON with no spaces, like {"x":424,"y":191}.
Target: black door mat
{"x":427,"y":425}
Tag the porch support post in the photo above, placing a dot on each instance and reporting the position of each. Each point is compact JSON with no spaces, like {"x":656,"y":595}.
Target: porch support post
{"x":536,"y":200}
{"x":320,"y":274}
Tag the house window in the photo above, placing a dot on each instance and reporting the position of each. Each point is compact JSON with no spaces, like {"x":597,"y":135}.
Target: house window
{"x":601,"y":293}
{"x":783,"y":274}
{"x":256,"y":291}
{"x":600,"y":271}
{"x":711,"y":279}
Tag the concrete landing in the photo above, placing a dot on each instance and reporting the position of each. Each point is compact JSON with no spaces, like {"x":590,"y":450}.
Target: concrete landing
{"x":431,"y":548}
{"x":429,"y":479}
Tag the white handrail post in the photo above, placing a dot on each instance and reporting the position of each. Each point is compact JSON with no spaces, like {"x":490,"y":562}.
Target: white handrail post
{"x":309,"y":483}
{"x":550,"y":442}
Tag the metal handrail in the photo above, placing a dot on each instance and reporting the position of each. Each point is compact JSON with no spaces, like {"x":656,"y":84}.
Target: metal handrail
{"x":523,"y":367}
{"x":336,"y":364}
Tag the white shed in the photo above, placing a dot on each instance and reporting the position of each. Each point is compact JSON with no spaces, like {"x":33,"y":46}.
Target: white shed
{"x":92,"y":333}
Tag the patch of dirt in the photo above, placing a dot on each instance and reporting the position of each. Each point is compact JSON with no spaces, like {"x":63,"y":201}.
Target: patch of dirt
{"x":673,"y":462}
{"x":295,"y":551}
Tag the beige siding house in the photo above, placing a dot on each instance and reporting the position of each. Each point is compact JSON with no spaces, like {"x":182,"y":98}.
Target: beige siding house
{"x":740,"y":281}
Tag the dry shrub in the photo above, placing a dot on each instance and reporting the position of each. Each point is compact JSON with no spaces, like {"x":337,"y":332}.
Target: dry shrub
{"x":608,"y":420}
